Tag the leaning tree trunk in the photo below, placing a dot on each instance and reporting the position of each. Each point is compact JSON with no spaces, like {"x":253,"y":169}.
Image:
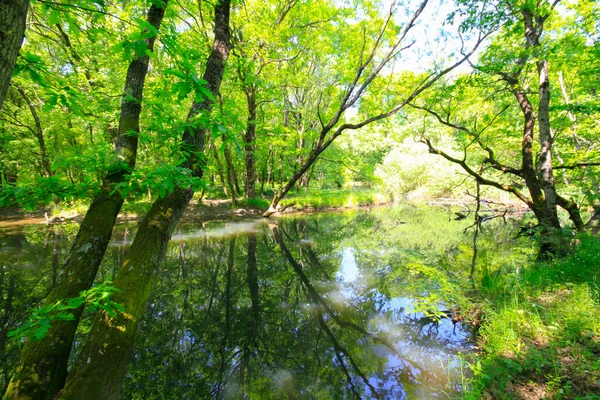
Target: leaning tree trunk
{"x":112,"y":341}
{"x":280,"y":194}
{"x":13,"y":14}
{"x":43,"y":368}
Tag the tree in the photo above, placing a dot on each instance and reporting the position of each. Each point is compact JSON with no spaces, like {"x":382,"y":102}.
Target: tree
{"x":105,"y":344}
{"x":13,"y":15}
{"x":535,"y":173}
{"x":43,"y":369}
{"x":370,"y":64}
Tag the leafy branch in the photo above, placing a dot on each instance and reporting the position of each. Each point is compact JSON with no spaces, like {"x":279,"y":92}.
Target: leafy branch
{"x":41,"y":319}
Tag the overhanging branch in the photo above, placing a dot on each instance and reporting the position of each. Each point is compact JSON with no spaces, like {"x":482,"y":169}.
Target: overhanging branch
{"x":478,"y":177}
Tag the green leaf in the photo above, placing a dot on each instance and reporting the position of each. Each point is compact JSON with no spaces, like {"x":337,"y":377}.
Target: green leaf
{"x":75,"y":302}
{"x":54,"y":16}
{"x":117,"y":48}
{"x":50,"y":103}
{"x":140,"y":48}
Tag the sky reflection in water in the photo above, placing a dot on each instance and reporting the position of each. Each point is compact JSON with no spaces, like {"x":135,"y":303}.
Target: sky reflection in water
{"x":304,"y":307}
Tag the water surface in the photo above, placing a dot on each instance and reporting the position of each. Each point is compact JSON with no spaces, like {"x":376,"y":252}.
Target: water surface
{"x":331,"y":305}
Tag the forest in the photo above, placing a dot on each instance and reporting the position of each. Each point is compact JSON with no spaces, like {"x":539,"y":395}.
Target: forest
{"x":299,"y":199}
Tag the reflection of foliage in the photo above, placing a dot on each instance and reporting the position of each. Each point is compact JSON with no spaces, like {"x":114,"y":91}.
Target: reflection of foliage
{"x":217,"y":326}
{"x":437,"y":291}
{"x":41,"y":319}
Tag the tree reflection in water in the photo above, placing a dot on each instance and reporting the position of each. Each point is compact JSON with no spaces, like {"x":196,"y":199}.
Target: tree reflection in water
{"x":294,"y":308}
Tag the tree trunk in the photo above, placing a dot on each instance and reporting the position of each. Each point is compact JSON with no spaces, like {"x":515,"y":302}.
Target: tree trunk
{"x":250,"y":145}
{"x":544,"y":167}
{"x":43,"y":368}
{"x":13,"y":14}
{"x":312,"y":157}
{"x":540,"y":180}
{"x":231,"y":174}
{"x":225,"y":182}
{"x":112,"y":341}
{"x":39,"y":133}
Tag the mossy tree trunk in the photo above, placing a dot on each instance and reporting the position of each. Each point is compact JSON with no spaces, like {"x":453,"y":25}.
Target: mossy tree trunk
{"x":111,"y":342}
{"x":102,"y":363}
{"x":43,"y":367}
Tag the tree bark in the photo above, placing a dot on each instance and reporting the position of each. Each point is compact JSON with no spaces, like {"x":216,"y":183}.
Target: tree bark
{"x":250,"y":145}
{"x":544,"y":166}
{"x":527,"y":168}
{"x":112,"y":341}
{"x":225,"y":182}
{"x":13,"y":14}
{"x":39,"y":133}
{"x":231,"y":174}
{"x":541,"y":186}
{"x":43,"y":368}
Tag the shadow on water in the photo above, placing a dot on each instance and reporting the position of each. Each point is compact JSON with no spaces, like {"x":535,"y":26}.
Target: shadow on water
{"x":306,"y":307}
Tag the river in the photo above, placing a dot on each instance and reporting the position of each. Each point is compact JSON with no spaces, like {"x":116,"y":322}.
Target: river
{"x":330,"y":305}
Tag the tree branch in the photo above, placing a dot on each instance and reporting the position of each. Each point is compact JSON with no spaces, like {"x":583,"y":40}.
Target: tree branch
{"x":478,"y":177}
{"x":578,"y":165}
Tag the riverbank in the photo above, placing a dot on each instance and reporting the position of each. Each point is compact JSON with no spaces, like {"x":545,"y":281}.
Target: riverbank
{"x":217,"y":209}
{"x":540,"y":333}
{"x":207,"y":210}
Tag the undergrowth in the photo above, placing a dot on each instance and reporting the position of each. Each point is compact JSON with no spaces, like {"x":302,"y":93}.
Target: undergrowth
{"x":339,"y":198}
{"x":540,"y":334}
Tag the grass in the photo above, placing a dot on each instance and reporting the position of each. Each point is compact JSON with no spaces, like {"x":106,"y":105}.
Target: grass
{"x":258,"y":204}
{"x":338,"y":198}
{"x":540,"y":336}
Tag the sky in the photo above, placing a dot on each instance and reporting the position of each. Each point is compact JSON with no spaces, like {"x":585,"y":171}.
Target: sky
{"x":435,"y":40}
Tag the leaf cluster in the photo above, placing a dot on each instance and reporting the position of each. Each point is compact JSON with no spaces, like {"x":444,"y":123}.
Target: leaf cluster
{"x":41,"y":319}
